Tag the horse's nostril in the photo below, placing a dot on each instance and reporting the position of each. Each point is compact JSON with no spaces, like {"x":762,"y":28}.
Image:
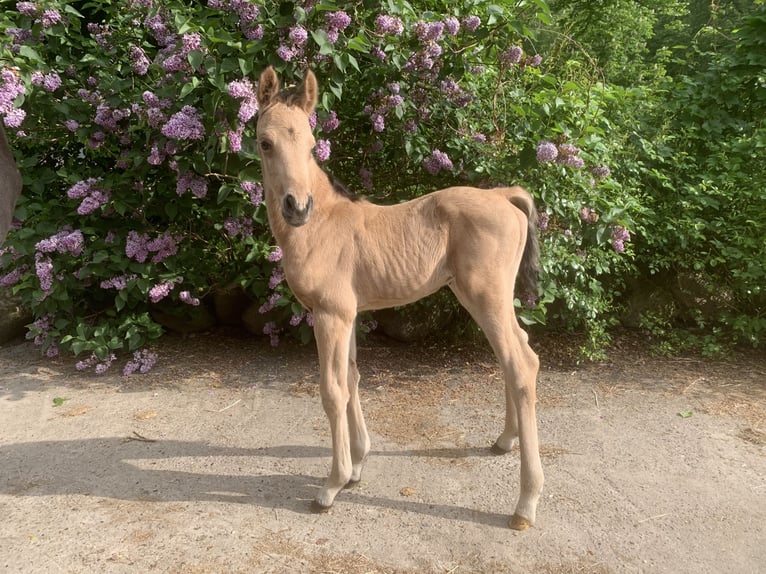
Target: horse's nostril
{"x":290,"y":203}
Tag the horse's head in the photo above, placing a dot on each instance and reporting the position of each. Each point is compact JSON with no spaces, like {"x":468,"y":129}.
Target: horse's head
{"x":286,"y":144}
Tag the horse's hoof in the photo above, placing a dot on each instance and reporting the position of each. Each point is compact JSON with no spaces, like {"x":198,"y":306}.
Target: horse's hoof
{"x":352,"y":483}
{"x":317,"y":508}
{"x":498,"y":450}
{"x":519,"y":522}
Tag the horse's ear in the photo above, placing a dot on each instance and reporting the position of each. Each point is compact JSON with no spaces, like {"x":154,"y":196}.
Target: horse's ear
{"x":309,"y":92}
{"x":268,"y":87}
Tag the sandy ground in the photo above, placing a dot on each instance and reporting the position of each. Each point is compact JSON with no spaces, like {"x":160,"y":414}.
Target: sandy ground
{"x":208,"y":463}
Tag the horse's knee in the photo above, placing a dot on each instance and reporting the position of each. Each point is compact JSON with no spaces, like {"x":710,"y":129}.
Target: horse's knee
{"x":334,"y":399}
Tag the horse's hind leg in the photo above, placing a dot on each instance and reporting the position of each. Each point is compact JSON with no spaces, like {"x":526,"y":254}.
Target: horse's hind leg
{"x":496,"y":316}
{"x":360,"y":440}
{"x":333,"y":336}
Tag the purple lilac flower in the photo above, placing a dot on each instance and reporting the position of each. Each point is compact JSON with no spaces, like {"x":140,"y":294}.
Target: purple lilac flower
{"x":160,"y":291}
{"x":601,"y":172}
{"x":139,"y":61}
{"x":72,"y":125}
{"x":235,"y":139}
{"x":50,"y":18}
{"x":11,"y":87}
{"x":142,"y":361}
{"x":156,"y":155}
{"x":568,"y":154}
{"x":254,"y":190}
{"x":246,"y":10}
{"x":164,"y":246}
{"x":270,"y":303}
{"x":543,"y":218}
{"x":378,"y":53}
{"x":337,"y":21}
{"x":471,"y":23}
{"x":535,"y":60}
{"x":253,"y":32}
{"x":184,"y":125}
{"x":10,"y":279}
{"x":92,"y":196}
{"x":619,"y":236}
{"x":96,"y":199}
{"x":331,"y":123}
{"x":322,"y":150}
{"x":188,"y":181}
{"x":511,"y":56}
{"x":298,"y":36}
{"x":44,"y":272}
{"x":49,"y":82}
{"x":287,"y":54}
{"x":158,"y":28}
{"x":428,"y":31}
{"x":452,"y":25}
{"x":437,"y":161}
{"x":135,"y":246}
{"x":241,"y":89}
{"x":385,"y":24}
{"x":27,"y":8}
{"x":275,"y":255}
{"x":86,"y":363}
{"x":188,"y":298}
{"x":14,"y":118}
{"x":546,"y":151}
{"x":62,"y":242}
{"x":277,"y":276}
{"x":118,"y":282}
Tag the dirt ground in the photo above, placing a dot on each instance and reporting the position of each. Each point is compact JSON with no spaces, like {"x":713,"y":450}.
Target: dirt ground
{"x":207,"y":464}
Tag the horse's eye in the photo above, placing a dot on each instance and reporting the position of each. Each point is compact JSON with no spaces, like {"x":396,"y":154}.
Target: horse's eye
{"x":265,"y":145}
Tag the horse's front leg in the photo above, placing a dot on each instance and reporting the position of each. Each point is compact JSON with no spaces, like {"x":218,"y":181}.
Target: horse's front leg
{"x":333,"y":337}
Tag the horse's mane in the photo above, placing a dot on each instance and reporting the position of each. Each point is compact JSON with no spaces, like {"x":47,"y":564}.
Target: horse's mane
{"x":341,"y":189}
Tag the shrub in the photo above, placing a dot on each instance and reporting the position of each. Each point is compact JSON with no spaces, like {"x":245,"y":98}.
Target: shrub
{"x":133,"y":124}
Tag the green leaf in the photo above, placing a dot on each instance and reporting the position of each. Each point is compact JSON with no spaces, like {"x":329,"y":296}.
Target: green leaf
{"x":685,"y":414}
{"x":195,"y":58}
{"x":30,"y":53}
{"x":58,"y":401}
{"x":323,"y":41}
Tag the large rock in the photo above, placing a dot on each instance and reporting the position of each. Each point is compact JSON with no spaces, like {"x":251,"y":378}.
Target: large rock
{"x":414,"y":322}
{"x":13,"y":319}
{"x":183,"y":318}
{"x":10,"y":185}
{"x":230,"y":304}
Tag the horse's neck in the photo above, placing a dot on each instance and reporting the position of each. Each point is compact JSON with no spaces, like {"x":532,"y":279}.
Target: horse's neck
{"x":324,"y":197}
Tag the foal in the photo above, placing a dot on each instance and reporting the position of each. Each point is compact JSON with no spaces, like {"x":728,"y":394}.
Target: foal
{"x":342,"y":256}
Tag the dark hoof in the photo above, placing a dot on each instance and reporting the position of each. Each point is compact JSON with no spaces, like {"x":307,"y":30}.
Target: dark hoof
{"x":498,"y":450}
{"x":317,"y":508}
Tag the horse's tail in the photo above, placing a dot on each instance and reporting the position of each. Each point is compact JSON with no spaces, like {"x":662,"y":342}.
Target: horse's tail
{"x":526,"y":280}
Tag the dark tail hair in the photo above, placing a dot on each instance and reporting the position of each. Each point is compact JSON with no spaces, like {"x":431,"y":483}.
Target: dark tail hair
{"x":526,"y":280}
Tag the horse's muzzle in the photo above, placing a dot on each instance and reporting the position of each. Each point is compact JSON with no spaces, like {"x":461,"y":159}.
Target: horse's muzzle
{"x":295,"y":214}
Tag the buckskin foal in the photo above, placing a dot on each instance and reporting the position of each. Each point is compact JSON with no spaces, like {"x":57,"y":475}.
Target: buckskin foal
{"x":343,"y":255}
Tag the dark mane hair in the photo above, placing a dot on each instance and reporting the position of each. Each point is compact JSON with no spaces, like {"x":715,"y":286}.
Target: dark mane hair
{"x":341,"y":189}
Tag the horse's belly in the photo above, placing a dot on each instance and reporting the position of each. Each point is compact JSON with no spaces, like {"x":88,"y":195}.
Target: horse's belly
{"x":392,"y":289}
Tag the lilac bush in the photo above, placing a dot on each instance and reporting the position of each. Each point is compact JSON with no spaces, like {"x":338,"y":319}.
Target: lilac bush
{"x":134,"y":127}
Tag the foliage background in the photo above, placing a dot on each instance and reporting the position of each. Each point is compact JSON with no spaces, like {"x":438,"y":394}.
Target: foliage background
{"x":141,"y":183}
